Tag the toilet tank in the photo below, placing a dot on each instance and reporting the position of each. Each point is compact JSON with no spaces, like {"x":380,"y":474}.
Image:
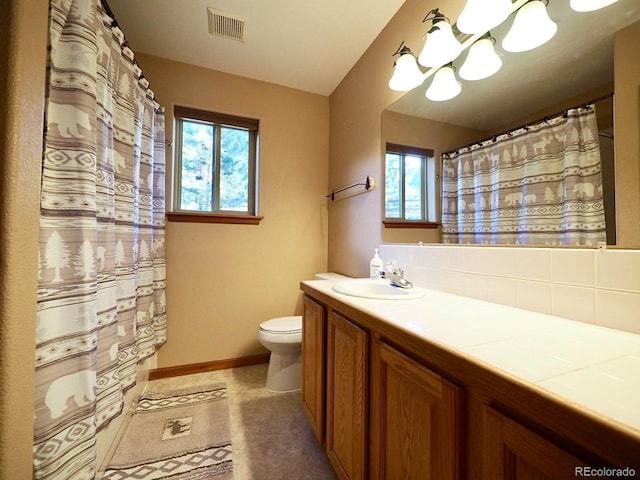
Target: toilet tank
{"x":329,"y":276}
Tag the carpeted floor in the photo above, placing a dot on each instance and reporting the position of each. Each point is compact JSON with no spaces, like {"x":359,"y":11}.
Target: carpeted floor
{"x":270,"y":435}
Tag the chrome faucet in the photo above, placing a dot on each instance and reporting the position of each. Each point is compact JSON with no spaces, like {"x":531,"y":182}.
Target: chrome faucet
{"x":396,"y":276}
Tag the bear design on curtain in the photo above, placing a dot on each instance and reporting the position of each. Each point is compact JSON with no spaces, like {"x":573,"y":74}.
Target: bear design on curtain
{"x":101,"y":275}
{"x":538,"y":185}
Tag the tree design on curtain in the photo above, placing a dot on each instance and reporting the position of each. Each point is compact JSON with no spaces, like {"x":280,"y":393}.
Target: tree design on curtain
{"x":538,"y":185}
{"x":101,"y":275}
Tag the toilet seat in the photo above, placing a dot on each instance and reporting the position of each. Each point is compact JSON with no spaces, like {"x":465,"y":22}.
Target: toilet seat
{"x":283,"y":325}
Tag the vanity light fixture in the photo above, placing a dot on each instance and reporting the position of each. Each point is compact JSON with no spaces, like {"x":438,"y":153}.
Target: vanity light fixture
{"x":406,"y":73}
{"x":531,"y":28}
{"x":480,"y":16}
{"x":444,"y":86}
{"x":440,"y":46}
{"x":482,"y":60}
{"x":590,"y":5}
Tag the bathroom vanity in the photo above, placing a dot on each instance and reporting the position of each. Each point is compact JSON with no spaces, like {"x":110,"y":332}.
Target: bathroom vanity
{"x":446,"y":387}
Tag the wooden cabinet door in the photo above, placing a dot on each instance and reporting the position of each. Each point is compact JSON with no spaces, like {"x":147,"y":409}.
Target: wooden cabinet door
{"x":346,"y":397}
{"x":513,"y":452}
{"x":416,"y":420}
{"x":313,"y":370}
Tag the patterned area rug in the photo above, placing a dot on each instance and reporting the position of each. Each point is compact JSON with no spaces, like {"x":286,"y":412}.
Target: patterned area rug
{"x":180,"y":435}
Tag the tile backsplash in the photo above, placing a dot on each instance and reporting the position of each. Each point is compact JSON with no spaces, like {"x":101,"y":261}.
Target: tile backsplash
{"x":589,"y":285}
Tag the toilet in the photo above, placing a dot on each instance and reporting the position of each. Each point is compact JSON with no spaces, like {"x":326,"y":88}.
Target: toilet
{"x":283,"y":337}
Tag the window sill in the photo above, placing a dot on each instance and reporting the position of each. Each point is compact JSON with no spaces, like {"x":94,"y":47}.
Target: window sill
{"x":193,"y":217}
{"x":409,"y":224}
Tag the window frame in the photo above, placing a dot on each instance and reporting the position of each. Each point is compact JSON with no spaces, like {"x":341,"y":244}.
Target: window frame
{"x":428,"y":204}
{"x":217,"y":121}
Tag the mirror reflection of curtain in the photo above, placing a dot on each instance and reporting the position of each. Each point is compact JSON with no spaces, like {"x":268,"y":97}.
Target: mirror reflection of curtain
{"x":541,"y":184}
{"x":101,"y":268}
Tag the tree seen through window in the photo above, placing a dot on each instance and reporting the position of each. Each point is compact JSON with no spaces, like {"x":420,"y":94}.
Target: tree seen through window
{"x":217,"y":164}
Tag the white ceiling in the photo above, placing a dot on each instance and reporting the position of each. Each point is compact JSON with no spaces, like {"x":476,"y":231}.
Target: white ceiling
{"x":311,"y":46}
{"x":303,"y":44}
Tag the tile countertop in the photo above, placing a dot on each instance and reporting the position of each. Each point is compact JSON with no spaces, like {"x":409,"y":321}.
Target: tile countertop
{"x":594,"y":368}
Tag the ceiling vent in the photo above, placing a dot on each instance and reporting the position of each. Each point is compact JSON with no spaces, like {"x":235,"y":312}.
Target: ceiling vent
{"x":225,"y":25}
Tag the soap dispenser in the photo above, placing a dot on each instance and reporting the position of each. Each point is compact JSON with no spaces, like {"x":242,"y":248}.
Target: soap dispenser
{"x":375,"y":266}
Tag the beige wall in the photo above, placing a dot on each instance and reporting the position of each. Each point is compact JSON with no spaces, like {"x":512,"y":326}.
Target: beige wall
{"x":224,"y":280}
{"x":23,"y":28}
{"x":217,"y":301}
{"x":355,"y":226}
{"x":627,"y":135}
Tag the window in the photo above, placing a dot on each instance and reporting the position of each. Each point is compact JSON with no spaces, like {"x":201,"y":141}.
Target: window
{"x":410,"y":190}
{"x":215,"y":163}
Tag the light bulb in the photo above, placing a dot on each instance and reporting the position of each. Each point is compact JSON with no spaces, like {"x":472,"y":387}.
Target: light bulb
{"x":480,"y":16}
{"x":482,"y":61}
{"x":440,"y":47}
{"x":444,"y":85}
{"x":590,"y":5}
{"x":406,"y":74}
{"x":531,"y":28}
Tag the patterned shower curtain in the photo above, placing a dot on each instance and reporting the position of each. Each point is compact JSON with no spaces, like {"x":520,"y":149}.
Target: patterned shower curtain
{"x":101,"y":275}
{"x":540,"y":184}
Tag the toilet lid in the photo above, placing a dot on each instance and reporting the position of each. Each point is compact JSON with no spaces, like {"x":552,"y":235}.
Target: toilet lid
{"x":282,"y":325}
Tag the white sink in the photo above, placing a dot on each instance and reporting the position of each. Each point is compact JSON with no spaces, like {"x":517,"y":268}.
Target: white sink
{"x":376,"y":289}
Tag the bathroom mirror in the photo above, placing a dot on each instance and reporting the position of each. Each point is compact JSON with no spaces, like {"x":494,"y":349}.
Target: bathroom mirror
{"x":576,"y":66}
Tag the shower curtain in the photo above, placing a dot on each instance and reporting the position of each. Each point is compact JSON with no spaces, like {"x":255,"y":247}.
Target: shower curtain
{"x":101,"y":267}
{"x":540,"y":184}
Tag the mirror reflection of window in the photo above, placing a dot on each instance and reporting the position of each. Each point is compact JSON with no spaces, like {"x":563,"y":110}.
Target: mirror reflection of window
{"x":409,"y":183}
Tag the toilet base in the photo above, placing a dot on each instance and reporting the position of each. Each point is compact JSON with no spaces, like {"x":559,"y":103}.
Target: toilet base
{"x":285,"y":371}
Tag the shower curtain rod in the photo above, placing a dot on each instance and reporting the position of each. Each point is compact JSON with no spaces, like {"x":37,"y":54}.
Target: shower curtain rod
{"x":107,"y":9}
{"x":526,"y":125}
